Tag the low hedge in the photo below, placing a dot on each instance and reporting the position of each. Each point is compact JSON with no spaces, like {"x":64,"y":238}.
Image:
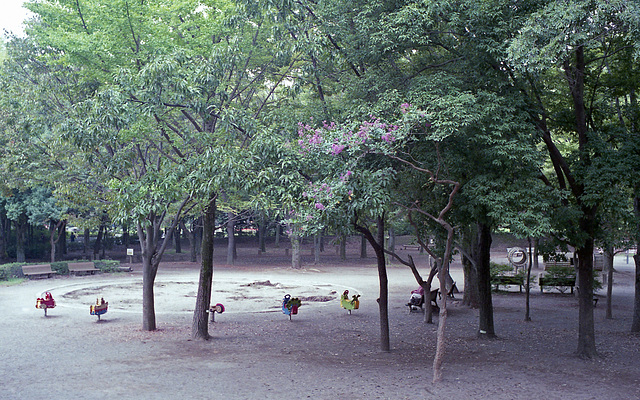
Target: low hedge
{"x":11,"y":270}
{"x":107,"y":265}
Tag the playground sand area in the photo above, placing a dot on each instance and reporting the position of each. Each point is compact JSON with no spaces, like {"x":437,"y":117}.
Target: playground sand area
{"x":323,"y":352}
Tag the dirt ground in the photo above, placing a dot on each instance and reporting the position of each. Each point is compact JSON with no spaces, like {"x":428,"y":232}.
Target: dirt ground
{"x":324,"y":352}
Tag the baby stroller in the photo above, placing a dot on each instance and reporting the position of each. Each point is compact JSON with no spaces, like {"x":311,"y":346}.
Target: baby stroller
{"x":416,"y":301}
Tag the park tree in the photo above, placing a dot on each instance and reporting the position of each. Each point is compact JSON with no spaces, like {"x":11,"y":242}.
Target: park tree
{"x":175,"y":83}
{"x":562,"y":52}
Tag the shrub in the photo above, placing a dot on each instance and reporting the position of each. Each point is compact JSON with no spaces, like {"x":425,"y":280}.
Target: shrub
{"x":107,"y":265}
{"x":499,"y":269}
{"x":60,"y":267}
{"x":11,"y":270}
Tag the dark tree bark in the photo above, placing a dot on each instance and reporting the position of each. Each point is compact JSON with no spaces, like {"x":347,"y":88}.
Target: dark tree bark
{"x":296,"y":260}
{"x":55,"y":233}
{"x":608,"y":271}
{"x":152,"y":251}
{"x":262,"y":234}
{"x":343,"y":246}
{"x":635,"y":322}
{"x":200,"y":327}
{"x":231,"y":235}
{"x":483,"y":254}
{"x":21,"y":229}
{"x":5,"y":227}
{"x":98,"y":243}
{"x":363,"y":247}
{"x":377,"y":243}
{"x":178,"y":238}
{"x":86,"y":241}
{"x":126,"y":239}
{"x":586,"y":329}
{"x":316,"y":247}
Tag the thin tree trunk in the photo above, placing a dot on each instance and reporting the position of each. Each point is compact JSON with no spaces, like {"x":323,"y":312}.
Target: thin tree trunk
{"x":608,"y":271}
{"x":383,"y":300}
{"x":586,"y":324}
{"x":635,"y":323}
{"x":148,"y":240}
{"x":231,"y":244}
{"x":343,"y":246}
{"x":363,"y":247}
{"x":178,"y":239}
{"x":21,"y":228}
{"x":316,"y":247}
{"x":527,"y":288}
{"x":86,"y":241}
{"x":200,"y":327}
{"x":295,"y":251}
{"x":486,"y":327}
{"x":262,"y":234}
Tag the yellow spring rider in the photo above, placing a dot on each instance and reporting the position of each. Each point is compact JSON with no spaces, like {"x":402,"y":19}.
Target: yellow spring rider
{"x":349,"y":304}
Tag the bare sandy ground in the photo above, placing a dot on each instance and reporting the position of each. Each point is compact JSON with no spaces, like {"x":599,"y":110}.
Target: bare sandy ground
{"x":256,"y":352}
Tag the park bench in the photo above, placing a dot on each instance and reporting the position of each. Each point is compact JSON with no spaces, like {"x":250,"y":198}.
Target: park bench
{"x":548,"y":264}
{"x":415,"y":247}
{"x":82,"y":267}
{"x":557,"y":282}
{"x":508,"y":280}
{"x":39,"y":270}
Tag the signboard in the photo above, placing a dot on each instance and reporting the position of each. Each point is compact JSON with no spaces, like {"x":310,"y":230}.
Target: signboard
{"x":129,"y":252}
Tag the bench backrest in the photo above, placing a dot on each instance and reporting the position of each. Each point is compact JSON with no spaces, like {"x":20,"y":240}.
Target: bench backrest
{"x":81,"y":266}
{"x":36,"y":269}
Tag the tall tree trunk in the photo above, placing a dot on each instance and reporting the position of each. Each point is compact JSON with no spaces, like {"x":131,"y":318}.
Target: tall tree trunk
{"x":316,"y":247}
{"x":55,"y":228}
{"x":86,"y":241}
{"x":126,"y":239}
{"x":363,"y":247}
{"x":191,"y":237}
{"x":148,"y":241}
{"x":586,"y":328}
{"x":443,"y":276}
{"x":178,"y":239}
{"x":483,"y":253}
{"x":377,"y":243}
{"x":471,"y":297}
{"x":5,"y":226}
{"x":296,"y":261}
{"x":231,"y":235}
{"x":277,"y":238}
{"x":635,"y":322}
{"x":527,"y":288}
{"x":200,"y":327}
{"x":343,"y":246}
{"x":262,"y":234}
{"x":608,"y":271}
{"x":98,"y":243}
{"x":21,"y":230}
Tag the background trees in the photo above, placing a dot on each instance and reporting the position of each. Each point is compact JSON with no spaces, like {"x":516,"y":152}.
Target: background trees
{"x":145,"y":112}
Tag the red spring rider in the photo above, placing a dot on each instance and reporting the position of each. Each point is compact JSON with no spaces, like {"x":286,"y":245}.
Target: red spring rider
{"x":46,"y":302}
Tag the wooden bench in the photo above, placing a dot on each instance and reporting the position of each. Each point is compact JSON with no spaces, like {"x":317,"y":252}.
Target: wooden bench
{"x":416,"y":247}
{"x":558,"y":282}
{"x":81,"y":267}
{"x":37,"y":270}
{"x":508,"y":280}
{"x":564,"y":264}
